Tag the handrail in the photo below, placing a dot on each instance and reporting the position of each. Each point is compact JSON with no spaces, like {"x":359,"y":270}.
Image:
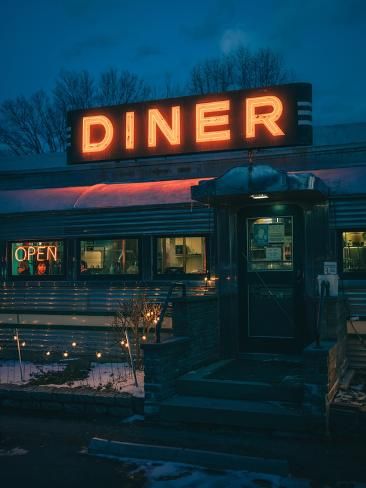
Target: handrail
{"x":324,"y":291}
{"x":165,"y":307}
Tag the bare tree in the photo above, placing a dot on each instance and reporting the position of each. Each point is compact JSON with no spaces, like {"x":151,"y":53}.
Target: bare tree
{"x":74,"y":90}
{"x":242,"y":68}
{"x":116,"y":88}
{"x":138,"y":318}
{"x":30,"y":126}
{"x":38,"y":124}
{"x":213,"y":75}
{"x":268,"y":69}
{"x":170,"y":89}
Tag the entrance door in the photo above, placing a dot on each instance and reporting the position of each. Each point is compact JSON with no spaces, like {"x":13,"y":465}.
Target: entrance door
{"x":271,"y":262}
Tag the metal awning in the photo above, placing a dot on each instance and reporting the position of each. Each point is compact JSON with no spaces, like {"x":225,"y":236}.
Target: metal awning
{"x":97,"y":196}
{"x":245,"y":181}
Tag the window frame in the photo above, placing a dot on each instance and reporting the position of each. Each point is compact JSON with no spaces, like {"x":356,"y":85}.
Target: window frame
{"x":107,"y":277}
{"x":180,"y":276}
{"x":47,"y":277}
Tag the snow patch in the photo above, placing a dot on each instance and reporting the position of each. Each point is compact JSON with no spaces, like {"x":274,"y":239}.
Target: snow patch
{"x":116,"y":377}
{"x":16,"y":451}
{"x":175,"y":475}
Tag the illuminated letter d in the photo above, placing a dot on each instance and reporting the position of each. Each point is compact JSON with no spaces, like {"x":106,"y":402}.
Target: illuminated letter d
{"x":88,"y":122}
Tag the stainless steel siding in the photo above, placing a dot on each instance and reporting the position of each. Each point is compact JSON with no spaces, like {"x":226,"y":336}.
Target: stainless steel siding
{"x":146,"y":221}
{"x":356,"y":352}
{"x":348,"y":213}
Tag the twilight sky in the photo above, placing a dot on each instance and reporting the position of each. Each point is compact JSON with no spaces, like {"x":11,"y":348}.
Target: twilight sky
{"x":321,"y":41}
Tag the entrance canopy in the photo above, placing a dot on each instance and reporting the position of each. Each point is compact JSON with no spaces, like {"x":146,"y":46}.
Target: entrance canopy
{"x":247,"y":182}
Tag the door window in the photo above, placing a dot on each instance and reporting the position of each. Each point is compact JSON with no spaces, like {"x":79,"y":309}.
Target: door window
{"x":270,"y":244}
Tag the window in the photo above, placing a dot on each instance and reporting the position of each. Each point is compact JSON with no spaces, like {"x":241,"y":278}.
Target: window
{"x":270,"y":244}
{"x":354,"y":251}
{"x":109,"y":257}
{"x":37,"y":259}
{"x":181,"y":255}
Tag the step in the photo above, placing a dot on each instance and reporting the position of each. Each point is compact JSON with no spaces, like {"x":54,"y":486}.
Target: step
{"x":193,"y":384}
{"x":250,"y":414}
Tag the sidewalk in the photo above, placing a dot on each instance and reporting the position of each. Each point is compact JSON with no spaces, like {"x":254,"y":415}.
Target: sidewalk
{"x":324,"y":461}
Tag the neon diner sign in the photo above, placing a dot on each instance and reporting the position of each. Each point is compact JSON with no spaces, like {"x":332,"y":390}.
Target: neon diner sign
{"x":244,"y":119}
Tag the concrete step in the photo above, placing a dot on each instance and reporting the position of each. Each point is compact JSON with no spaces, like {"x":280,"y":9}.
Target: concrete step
{"x":249,"y":414}
{"x":193,"y":384}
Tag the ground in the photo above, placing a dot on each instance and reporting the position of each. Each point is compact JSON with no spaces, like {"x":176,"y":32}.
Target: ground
{"x":50,"y":451}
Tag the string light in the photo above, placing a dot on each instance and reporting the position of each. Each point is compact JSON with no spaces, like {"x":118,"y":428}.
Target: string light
{"x":65,"y":354}
{"x":15,"y":338}
{"x":99,"y":355}
{"x":122,"y":343}
{"x":144,"y":337}
{"x":23,"y":344}
{"x":48,"y":353}
{"x":74,"y":344}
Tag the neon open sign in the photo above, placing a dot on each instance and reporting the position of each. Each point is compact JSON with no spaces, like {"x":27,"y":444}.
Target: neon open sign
{"x":41,"y":253}
{"x":244,"y":119}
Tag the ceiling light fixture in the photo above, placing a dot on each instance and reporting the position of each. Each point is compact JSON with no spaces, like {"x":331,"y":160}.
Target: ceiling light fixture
{"x":259,"y":196}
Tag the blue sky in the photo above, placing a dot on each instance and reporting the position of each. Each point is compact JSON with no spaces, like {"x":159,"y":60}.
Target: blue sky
{"x":321,"y":41}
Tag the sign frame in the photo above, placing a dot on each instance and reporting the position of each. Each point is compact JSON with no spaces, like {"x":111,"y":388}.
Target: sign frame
{"x":200,"y":124}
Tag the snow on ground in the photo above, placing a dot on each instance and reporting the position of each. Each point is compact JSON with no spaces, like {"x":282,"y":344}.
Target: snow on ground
{"x":174,"y":475}
{"x":12,"y":373}
{"x":102,"y":376}
{"x":16,"y":451}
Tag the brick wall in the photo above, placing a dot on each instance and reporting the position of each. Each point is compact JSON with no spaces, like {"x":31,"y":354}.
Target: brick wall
{"x":195,"y":342}
{"x":196,"y":318}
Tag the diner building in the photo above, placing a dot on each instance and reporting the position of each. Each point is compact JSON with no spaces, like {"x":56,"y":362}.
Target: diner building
{"x":252,"y":228}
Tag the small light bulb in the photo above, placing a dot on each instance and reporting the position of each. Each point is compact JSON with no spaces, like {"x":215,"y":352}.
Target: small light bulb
{"x":99,"y":355}
{"x":23,"y":344}
{"x":73,"y":344}
{"x":15,"y":338}
{"x":122,"y":343}
{"x":126,"y":345}
{"x":48,"y":353}
{"x":144,"y":337}
{"x":66,"y":354}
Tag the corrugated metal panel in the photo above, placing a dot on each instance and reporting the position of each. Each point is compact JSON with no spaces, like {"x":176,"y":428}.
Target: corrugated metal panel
{"x":89,"y":299}
{"x":39,"y":341}
{"x":355,"y":291}
{"x":348,"y":213}
{"x":143,"y":221}
{"x":356,"y":353}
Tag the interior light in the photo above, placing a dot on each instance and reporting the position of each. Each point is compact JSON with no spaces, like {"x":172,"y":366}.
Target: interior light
{"x":259,"y":196}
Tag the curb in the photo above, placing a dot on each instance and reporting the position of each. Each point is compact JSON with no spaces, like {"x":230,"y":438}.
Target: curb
{"x":207,"y":459}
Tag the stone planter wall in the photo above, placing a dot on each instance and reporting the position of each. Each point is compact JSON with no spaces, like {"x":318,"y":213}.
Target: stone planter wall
{"x":195,"y":342}
{"x":71,"y":402}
